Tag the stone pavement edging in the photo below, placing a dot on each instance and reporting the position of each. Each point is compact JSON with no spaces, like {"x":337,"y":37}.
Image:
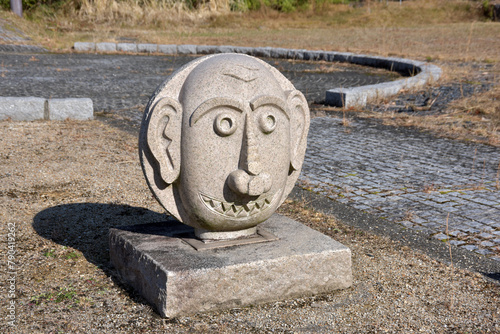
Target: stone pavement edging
{"x":36,"y":108}
{"x":420,"y":73}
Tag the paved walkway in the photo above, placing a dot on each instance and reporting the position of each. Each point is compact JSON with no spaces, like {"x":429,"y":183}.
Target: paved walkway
{"x":399,"y":174}
{"x":121,"y":82}
{"x":410,"y":178}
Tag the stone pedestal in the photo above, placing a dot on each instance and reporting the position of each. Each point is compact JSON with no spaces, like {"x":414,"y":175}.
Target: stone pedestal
{"x":289,"y":260}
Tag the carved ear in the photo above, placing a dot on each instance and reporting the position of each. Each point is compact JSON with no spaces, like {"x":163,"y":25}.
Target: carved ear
{"x":299,"y":126}
{"x":164,"y":137}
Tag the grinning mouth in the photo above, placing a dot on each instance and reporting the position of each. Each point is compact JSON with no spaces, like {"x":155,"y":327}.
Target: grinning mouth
{"x":238,"y":210}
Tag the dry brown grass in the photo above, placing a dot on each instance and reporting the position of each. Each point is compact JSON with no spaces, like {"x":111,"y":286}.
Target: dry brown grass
{"x":147,"y":12}
{"x":486,"y":105}
{"x":455,"y":125}
{"x":472,"y":118}
{"x":426,"y":29}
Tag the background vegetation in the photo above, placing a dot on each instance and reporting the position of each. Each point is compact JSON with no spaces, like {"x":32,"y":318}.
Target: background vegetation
{"x":140,"y":9}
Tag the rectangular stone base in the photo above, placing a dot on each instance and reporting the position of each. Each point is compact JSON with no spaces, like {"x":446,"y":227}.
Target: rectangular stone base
{"x":177,"y":279}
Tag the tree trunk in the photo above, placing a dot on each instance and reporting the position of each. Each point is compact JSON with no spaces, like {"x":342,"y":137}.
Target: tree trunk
{"x":17,"y":7}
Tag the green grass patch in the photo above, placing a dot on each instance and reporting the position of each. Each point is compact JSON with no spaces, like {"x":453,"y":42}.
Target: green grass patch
{"x":62,"y":295}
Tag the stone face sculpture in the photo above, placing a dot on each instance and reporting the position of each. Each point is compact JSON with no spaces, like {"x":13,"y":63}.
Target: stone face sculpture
{"x":222,"y":143}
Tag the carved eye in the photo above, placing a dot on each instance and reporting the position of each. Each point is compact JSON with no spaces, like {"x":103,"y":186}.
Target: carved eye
{"x":225,"y":124}
{"x":267,"y":122}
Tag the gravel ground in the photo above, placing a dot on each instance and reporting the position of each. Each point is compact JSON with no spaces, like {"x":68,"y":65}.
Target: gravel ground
{"x":64,"y":184}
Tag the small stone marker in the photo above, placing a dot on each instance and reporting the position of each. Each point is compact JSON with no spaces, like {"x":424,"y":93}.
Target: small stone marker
{"x":222,"y":144}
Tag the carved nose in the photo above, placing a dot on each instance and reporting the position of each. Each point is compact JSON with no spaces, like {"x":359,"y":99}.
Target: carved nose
{"x":244,"y":184}
{"x":249,"y":157}
{"x":249,"y":179}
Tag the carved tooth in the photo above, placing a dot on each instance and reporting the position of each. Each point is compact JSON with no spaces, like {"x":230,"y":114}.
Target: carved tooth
{"x":226,"y":206}
{"x":253,"y":208}
{"x":231,"y":212}
{"x":248,"y":206}
{"x":259,"y":204}
{"x":219,"y":210}
{"x":238,"y":209}
{"x":242,"y":213}
{"x":216,"y":204}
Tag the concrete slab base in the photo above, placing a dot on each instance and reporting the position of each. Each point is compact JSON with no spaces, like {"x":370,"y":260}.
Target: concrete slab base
{"x":177,"y":279}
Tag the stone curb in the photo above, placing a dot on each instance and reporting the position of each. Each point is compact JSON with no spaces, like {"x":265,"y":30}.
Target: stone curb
{"x":419,"y":73}
{"x":37,"y":108}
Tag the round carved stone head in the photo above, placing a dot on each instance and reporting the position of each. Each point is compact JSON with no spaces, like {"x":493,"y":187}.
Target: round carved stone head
{"x":222,"y":143}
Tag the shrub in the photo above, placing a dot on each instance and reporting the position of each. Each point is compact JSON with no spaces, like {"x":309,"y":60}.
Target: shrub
{"x":32,"y":4}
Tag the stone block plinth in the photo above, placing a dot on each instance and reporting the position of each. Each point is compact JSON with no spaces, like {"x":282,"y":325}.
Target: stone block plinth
{"x":177,"y":278}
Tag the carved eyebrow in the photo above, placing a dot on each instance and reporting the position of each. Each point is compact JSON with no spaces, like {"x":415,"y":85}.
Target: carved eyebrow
{"x":264,"y":100}
{"x":215,"y":102}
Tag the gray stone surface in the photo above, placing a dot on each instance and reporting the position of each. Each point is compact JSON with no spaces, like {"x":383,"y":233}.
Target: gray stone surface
{"x":225,"y":49}
{"x":243,"y":50}
{"x":279,"y":53}
{"x":314,"y":55}
{"x":72,"y":108}
{"x":206,"y":49}
{"x":170,"y":49}
{"x":179,"y":280}
{"x":22,"y":108}
{"x":144,"y":47}
{"x":216,"y":146}
{"x":296,"y":54}
{"x":126,"y":47}
{"x":263,"y":52}
{"x":359,"y":96}
{"x":84,"y":46}
{"x":186,"y":49}
{"x":105,"y":47}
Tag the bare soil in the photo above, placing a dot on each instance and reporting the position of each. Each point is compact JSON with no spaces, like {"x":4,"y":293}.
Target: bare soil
{"x":64,"y":184}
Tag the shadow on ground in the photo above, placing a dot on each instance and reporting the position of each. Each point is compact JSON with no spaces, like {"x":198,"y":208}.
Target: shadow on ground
{"x":85,"y":226}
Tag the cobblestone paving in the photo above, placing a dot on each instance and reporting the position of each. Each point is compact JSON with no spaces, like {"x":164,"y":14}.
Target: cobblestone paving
{"x":123,"y":83}
{"x":409,"y":177}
